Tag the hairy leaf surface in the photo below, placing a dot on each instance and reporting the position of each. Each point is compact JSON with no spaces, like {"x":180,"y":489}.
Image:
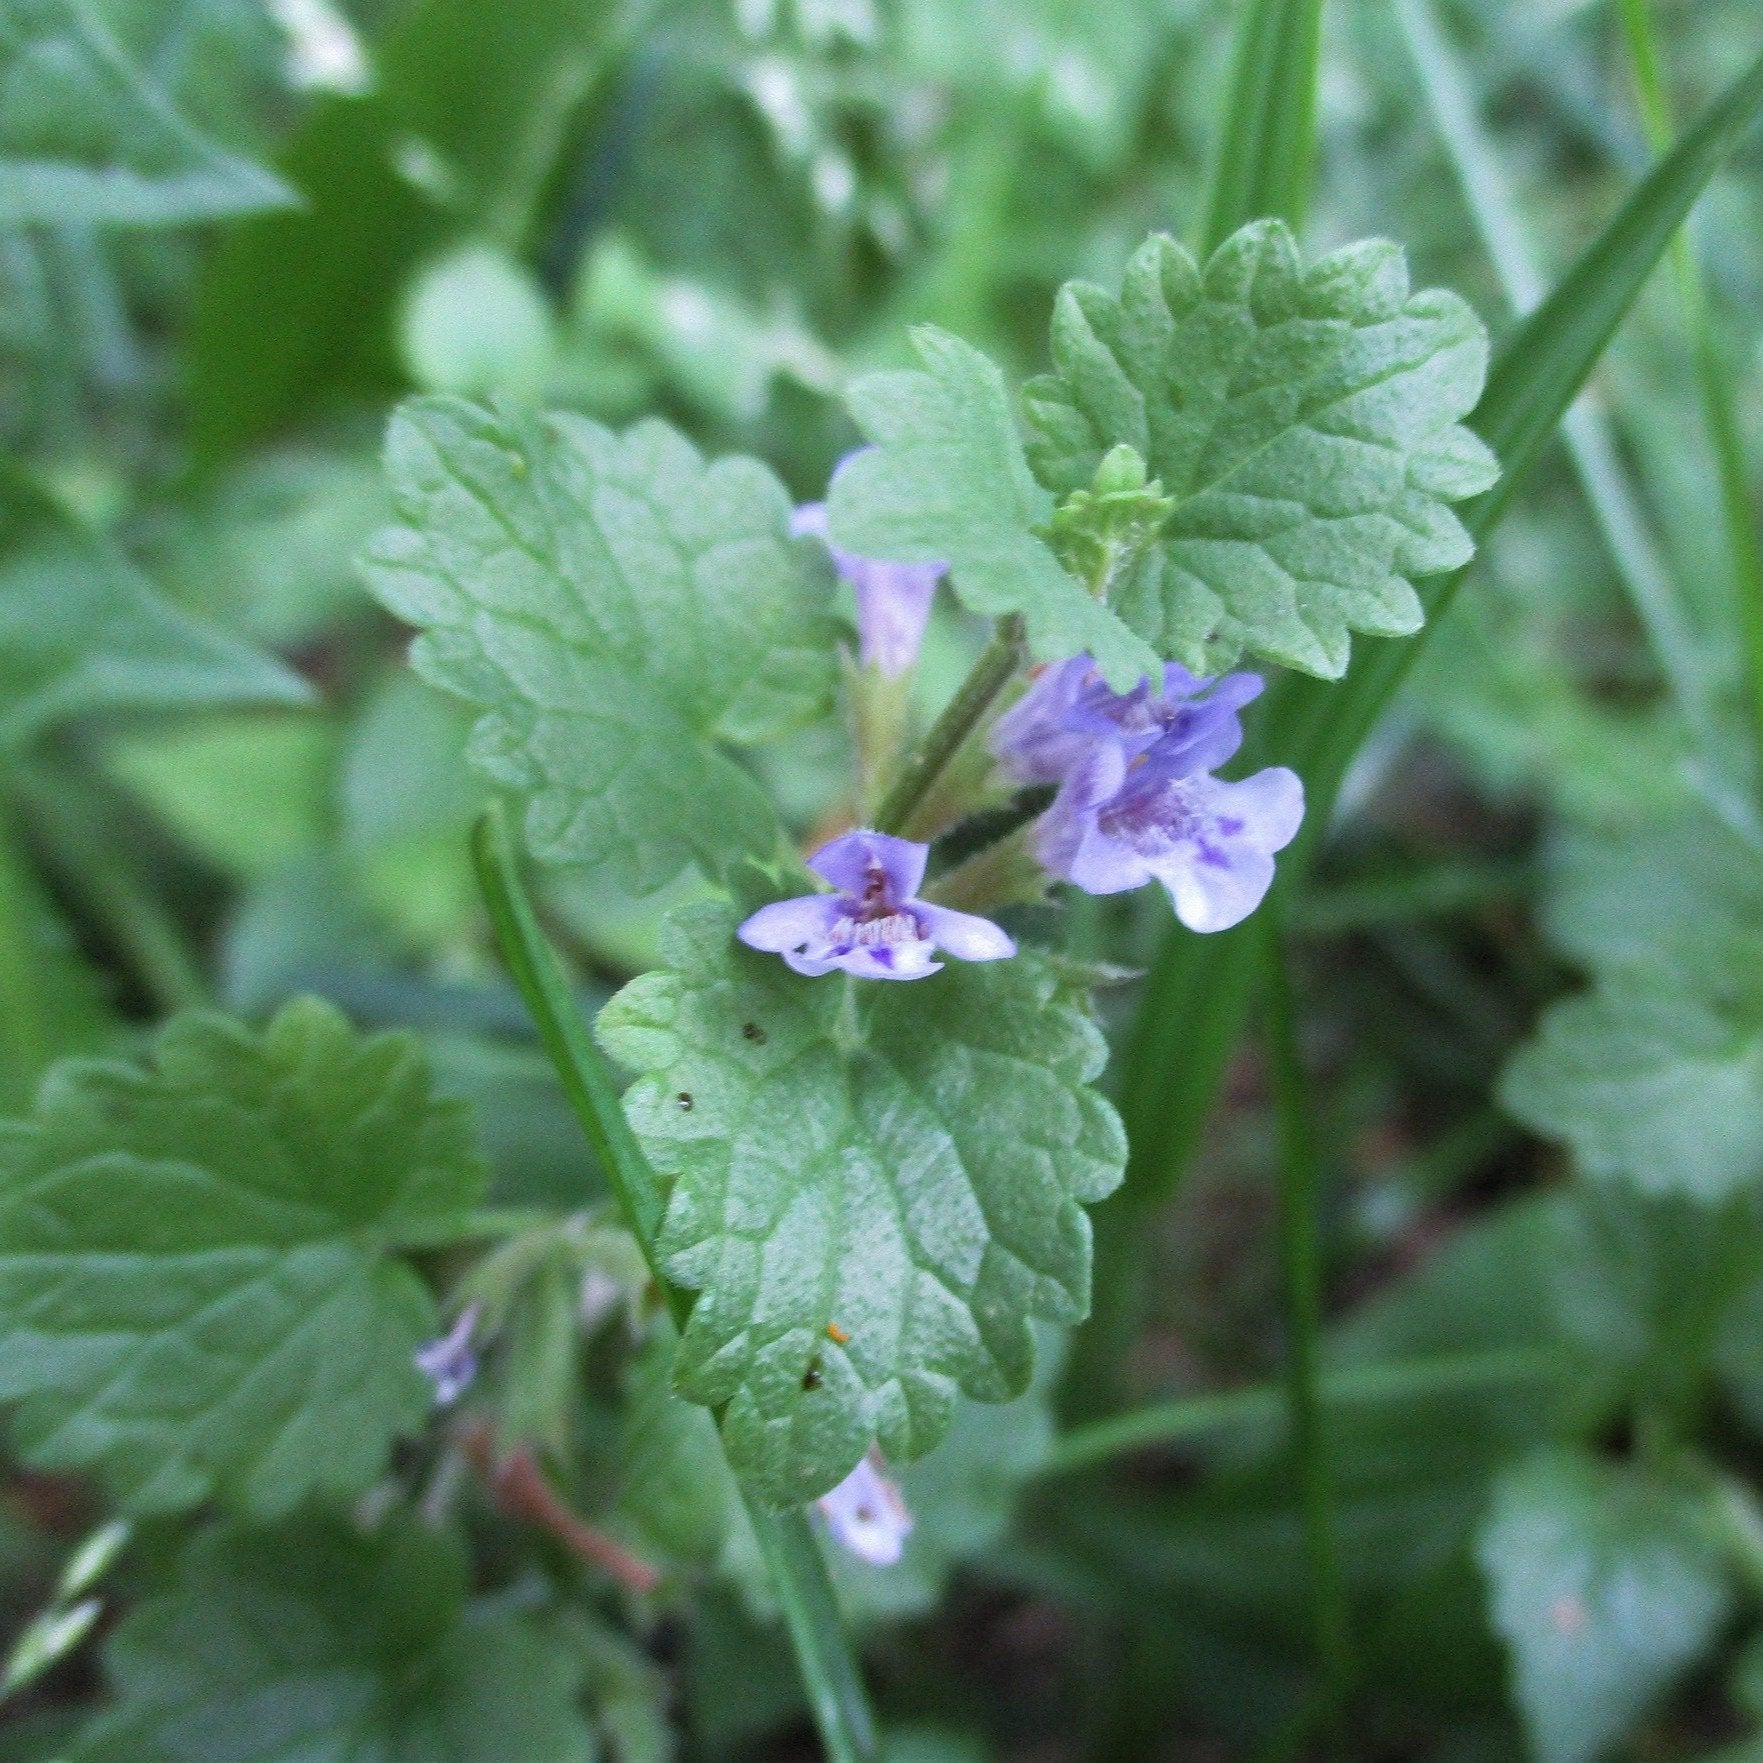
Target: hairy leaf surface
{"x":619,"y":611}
{"x":873,"y":1190}
{"x":1305,"y":420}
{"x":194,"y":1292}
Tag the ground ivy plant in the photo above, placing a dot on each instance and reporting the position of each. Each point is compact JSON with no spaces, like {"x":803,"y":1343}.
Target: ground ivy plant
{"x":872,"y":1108}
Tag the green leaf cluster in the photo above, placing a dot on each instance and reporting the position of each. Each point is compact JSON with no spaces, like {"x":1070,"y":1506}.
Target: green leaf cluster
{"x":1304,"y":422}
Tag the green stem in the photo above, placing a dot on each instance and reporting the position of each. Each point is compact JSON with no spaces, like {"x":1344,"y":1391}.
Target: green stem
{"x":829,"y":1669}
{"x":1446,"y":890}
{"x":1261,"y":1407}
{"x":586,"y":1079}
{"x":990,"y":674}
{"x":1720,"y":417}
{"x":823,"y":1653}
{"x":1300,"y":1246}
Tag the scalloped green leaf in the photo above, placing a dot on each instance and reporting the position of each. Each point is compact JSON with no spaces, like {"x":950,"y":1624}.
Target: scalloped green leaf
{"x":1306,"y":422}
{"x":196,"y":1294}
{"x":316,"y":1643}
{"x":620,"y":611}
{"x":874,"y":1190}
{"x":947,"y":481}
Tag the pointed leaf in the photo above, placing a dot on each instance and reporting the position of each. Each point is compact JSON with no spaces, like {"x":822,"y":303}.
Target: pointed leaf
{"x":195,"y":1296}
{"x":873,"y":1195}
{"x":1268,"y":139}
{"x":617,"y":609}
{"x":82,"y":633}
{"x":86,"y":136}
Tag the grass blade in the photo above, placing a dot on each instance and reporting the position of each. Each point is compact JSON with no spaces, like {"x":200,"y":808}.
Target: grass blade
{"x":1627,"y":535}
{"x":829,"y":1670}
{"x":1269,"y":139}
{"x":1744,"y":542}
{"x":1534,"y":382}
{"x":1261,"y":1407}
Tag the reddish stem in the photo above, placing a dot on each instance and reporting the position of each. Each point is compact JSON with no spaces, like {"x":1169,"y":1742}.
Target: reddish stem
{"x":521,"y":1486}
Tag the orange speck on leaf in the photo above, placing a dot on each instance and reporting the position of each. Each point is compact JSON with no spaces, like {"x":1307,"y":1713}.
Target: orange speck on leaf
{"x":837,"y":1333}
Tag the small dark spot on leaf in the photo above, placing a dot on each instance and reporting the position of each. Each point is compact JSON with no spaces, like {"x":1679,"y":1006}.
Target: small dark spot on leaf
{"x":811,"y":1377}
{"x":684,"y":1098}
{"x":753,"y":1032}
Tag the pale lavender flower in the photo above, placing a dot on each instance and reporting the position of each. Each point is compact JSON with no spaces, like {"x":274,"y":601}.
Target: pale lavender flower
{"x":1118,"y":823}
{"x":1069,"y":710}
{"x":1137,"y":799}
{"x":866,"y":1514}
{"x":893,"y":599}
{"x":449,"y":1362}
{"x":875,"y":926}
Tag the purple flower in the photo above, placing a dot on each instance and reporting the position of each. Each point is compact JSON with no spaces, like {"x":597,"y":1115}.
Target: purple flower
{"x":867,"y":1514}
{"x":1118,"y":823}
{"x":893,"y":599}
{"x":1069,"y":710}
{"x":449,"y":1362}
{"x":874,"y":927}
{"x":1137,"y":799}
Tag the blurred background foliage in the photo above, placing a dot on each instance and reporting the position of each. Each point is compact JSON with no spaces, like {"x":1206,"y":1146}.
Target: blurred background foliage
{"x":218,"y":783}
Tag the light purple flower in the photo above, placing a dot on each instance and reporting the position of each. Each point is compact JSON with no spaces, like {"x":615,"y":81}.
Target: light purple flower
{"x":893,"y":599}
{"x":1069,"y":710}
{"x":449,"y":1362}
{"x":1118,"y":823}
{"x":1137,"y":799}
{"x":875,"y":926}
{"x":866,"y":1513}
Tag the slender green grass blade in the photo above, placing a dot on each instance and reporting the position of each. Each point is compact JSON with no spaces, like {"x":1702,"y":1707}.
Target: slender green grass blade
{"x":1268,"y":142}
{"x":1627,"y":535}
{"x":829,"y":1670}
{"x":1744,"y":539}
{"x":1261,"y":1407}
